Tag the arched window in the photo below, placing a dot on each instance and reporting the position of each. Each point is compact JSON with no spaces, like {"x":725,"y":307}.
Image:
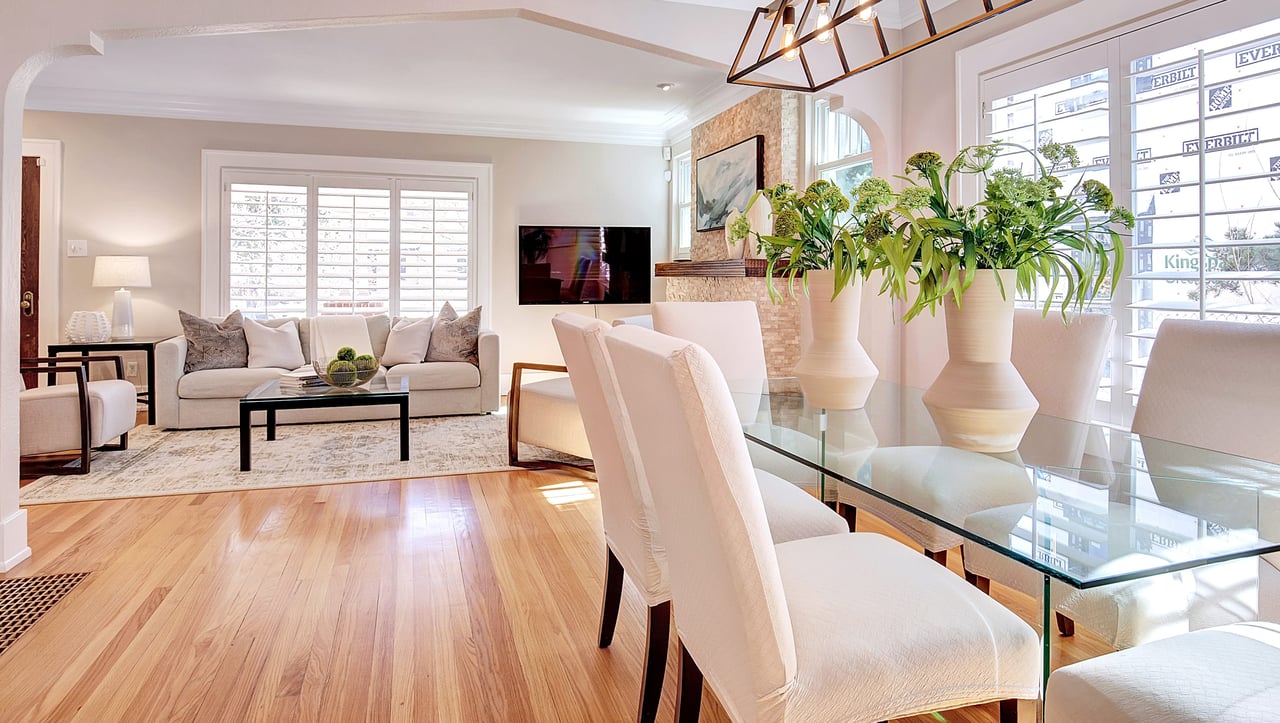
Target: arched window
{"x":841,"y":149}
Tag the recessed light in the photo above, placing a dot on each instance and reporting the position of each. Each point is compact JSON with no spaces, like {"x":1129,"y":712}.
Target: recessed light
{"x":664,"y":87}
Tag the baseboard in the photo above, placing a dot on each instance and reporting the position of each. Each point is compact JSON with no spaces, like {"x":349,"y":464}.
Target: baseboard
{"x":13,"y":541}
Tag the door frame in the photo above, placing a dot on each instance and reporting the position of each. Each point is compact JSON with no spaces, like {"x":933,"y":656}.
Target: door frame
{"x":50,"y":152}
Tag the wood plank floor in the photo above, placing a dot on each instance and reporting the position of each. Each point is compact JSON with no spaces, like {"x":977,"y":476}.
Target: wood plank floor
{"x":466,"y":598}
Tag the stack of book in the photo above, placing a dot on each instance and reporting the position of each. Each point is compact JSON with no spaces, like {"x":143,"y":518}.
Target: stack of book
{"x":301,"y":379}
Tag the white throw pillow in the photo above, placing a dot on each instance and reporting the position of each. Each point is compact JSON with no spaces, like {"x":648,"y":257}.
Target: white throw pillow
{"x":277,"y":347}
{"x":407,"y":342}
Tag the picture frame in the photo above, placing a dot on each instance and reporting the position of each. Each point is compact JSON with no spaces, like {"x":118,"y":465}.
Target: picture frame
{"x":725,"y":180}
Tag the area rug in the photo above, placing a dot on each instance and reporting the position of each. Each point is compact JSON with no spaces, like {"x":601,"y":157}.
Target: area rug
{"x":160,"y":462}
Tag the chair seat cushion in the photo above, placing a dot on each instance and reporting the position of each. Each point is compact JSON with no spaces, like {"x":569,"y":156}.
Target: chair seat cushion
{"x":1230,"y":673}
{"x":223,"y":383}
{"x":50,"y":416}
{"x":793,"y":513}
{"x":884,"y":632}
{"x":549,"y":417}
{"x":436,"y":375}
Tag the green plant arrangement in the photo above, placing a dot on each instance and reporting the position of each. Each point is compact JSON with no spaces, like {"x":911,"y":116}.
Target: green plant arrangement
{"x":815,"y":230}
{"x":1027,"y":224}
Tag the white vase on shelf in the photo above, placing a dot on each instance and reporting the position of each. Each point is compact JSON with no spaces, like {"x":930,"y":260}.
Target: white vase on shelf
{"x":87,"y":327}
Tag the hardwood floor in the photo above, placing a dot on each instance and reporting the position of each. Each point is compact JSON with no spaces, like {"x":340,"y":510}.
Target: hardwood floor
{"x":466,"y":598}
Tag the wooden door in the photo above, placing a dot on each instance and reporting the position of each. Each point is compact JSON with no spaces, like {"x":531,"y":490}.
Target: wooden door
{"x":30,"y":301}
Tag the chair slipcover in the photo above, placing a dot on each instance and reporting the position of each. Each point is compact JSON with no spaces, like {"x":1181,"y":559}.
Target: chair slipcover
{"x":791,"y":633}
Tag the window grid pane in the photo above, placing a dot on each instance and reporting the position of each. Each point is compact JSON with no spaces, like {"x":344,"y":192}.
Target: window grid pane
{"x":353,"y":251}
{"x":435,"y":229}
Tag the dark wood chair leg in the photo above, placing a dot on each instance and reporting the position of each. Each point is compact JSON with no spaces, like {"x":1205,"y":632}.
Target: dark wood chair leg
{"x":850,"y":515}
{"x":1066,"y":626}
{"x":978,"y":581}
{"x":938,"y":556}
{"x":1009,"y":711}
{"x":612,"y":599}
{"x":655,"y":661}
{"x":689,"y":694}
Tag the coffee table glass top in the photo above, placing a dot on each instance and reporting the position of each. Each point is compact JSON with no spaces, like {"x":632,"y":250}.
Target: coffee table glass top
{"x":283,"y":389}
{"x":1083,"y":503}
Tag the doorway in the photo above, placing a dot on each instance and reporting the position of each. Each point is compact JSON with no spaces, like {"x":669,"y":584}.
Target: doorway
{"x":29,"y":346}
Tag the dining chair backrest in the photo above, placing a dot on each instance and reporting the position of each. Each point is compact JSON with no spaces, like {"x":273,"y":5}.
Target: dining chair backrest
{"x":624,"y":496}
{"x":1061,"y":363}
{"x":726,"y":586}
{"x":1213,"y":385}
{"x":728,"y":330}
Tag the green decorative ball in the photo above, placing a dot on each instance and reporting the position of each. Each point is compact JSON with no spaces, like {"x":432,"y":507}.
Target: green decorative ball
{"x":346,"y":353}
{"x":365,"y":362}
{"x":340,"y":366}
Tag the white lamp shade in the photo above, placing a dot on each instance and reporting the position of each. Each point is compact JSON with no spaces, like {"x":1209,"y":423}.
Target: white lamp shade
{"x":122,"y":271}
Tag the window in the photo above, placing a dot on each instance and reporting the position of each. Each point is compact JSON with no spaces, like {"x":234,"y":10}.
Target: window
{"x":682,"y":205}
{"x":1191,"y":110}
{"x":841,"y":149}
{"x":289,"y":243}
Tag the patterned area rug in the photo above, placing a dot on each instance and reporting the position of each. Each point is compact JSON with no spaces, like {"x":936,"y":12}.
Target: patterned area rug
{"x":195,"y":461}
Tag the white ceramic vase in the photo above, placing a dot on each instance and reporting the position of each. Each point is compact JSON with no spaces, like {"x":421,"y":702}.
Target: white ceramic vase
{"x":734,"y":249}
{"x":834,"y":370}
{"x":979,"y":401}
{"x":88,"y":327}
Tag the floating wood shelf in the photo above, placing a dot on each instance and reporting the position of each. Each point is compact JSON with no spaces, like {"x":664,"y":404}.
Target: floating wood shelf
{"x":726,"y":268}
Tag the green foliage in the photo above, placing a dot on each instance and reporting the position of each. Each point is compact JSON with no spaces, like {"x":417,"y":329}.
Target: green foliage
{"x":365,"y":362}
{"x":346,"y":353}
{"x":1023,"y":223}
{"x":818,"y":229}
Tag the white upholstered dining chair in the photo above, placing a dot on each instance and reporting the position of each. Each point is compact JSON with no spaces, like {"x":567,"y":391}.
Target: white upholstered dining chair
{"x":845,"y":627}
{"x":1061,"y":365}
{"x":1210,"y":386}
{"x":634,"y":546}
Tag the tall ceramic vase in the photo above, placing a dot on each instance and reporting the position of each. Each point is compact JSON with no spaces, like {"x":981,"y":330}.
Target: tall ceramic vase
{"x":834,"y":370}
{"x":979,"y":401}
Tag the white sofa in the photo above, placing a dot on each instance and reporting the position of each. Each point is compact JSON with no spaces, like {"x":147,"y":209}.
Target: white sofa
{"x":210,"y":398}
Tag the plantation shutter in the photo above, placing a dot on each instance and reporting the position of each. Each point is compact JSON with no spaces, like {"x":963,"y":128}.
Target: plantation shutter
{"x":353,"y":249}
{"x":436,"y":221}
{"x":266,"y":229}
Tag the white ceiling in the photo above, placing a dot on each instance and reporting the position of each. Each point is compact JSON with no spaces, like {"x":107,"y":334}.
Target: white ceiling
{"x":504,"y":76}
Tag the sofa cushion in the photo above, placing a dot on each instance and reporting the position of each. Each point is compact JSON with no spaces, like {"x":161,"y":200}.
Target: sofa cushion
{"x":212,"y":344}
{"x":455,"y":338}
{"x":223,"y":383}
{"x":407,"y":342}
{"x":436,"y":375}
{"x":277,"y":347}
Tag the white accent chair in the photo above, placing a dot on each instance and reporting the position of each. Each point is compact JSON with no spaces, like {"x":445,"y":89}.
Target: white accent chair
{"x":1061,"y":365}
{"x":803,"y":630}
{"x":544,"y":413}
{"x":84,"y":416}
{"x":1213,"y":386}
{"x":634,"y":546}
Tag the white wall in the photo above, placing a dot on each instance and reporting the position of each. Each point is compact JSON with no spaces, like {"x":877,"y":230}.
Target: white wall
{"x":133,"y":186}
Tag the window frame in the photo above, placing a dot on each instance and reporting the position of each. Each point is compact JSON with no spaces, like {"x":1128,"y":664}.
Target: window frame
{"x":821,"y":112}
{"x":677,"y":231}
{"x":217,"y":166}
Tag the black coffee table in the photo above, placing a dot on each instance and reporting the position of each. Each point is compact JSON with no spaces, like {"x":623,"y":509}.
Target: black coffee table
{"x":272,"y":396}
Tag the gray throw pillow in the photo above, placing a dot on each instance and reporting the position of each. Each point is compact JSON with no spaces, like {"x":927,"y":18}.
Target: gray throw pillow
{"x":213,"y":344}
{"x":455,"y":338}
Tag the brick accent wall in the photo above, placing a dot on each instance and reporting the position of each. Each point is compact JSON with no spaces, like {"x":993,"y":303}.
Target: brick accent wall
{"x":775,"y":115}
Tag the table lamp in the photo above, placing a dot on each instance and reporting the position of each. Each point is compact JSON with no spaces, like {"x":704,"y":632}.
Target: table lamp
{"x":122,"y":272}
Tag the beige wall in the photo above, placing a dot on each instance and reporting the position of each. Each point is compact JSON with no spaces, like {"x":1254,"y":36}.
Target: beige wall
{"x":133,"y":186}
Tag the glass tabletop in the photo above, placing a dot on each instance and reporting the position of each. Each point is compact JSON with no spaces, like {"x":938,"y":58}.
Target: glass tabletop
{"x":1087,"y":504}
{"x":284,"y":388}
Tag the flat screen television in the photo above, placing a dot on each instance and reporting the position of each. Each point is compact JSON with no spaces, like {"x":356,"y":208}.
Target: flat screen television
{"x":584,"y":265}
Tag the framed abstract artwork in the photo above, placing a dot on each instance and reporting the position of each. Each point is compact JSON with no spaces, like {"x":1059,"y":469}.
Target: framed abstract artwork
{"x":725,"y":180}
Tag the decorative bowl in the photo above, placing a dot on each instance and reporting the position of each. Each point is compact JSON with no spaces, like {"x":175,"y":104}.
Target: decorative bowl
{"x":345,"y":376}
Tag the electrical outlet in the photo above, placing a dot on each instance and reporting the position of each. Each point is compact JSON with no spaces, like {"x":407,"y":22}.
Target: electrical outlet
{"x":131,"y":369}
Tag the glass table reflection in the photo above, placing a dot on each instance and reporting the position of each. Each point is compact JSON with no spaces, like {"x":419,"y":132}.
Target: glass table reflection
{"x":1083,"y":504}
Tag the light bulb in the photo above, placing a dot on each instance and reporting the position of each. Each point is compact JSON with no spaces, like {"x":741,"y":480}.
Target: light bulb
{"x":789,"y":49}
{"x":866,"y":15}
{"x":823,"y":23}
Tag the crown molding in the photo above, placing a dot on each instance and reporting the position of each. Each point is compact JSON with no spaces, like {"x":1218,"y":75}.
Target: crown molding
{"x":712,"y":101}
{"x":78,"y":100}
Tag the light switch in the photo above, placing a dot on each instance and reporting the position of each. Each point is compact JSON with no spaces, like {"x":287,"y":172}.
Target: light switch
{"x":77,"y":247}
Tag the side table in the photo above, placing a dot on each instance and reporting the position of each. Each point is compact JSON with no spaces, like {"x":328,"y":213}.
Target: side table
{"x":145,"y":344}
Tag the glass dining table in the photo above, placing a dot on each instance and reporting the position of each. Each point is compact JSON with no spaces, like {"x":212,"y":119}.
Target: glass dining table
{"x":1084,"y":504}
